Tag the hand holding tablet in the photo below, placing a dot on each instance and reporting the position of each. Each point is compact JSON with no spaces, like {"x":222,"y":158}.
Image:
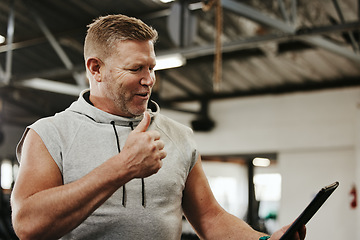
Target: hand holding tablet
{"x":310,"y":210}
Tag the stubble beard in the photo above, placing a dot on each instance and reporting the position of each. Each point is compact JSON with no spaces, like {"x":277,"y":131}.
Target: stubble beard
{"x":127,"y":106}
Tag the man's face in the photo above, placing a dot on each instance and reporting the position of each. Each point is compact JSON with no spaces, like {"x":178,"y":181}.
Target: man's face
{"x":129,"y":77}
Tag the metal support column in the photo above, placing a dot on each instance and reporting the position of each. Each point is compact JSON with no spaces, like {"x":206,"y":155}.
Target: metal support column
{"x":9,"y":41}
{"x":253,"y":207}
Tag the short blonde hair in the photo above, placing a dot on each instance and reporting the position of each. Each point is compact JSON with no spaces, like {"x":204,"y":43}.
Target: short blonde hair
{"x":106,"y":31}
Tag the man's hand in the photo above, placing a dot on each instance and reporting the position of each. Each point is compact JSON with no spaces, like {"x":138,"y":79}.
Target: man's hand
{"x":300,"y":235}
{"x":144,"y":150}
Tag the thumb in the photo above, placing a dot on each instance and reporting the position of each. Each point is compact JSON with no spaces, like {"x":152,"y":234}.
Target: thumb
{"x":144,"y":124}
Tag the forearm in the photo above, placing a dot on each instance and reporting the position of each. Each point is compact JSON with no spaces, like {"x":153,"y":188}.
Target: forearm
{"x":227,"y":226}
{"x":53,"y":212}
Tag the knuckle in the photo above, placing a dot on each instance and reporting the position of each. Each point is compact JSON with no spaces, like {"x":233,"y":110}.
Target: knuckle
{"x":147,"y":136}
{"x":153,"y":147}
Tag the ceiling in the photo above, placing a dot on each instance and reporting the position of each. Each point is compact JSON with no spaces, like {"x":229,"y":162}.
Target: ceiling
{"x":267,"y":47}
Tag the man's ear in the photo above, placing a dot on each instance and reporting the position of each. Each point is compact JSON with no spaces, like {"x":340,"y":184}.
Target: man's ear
{"x":94,"y":65}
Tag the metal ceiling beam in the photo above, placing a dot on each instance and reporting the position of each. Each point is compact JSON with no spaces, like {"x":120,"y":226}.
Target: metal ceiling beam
{"x":304,"y":35}
{"x":22,"y":44}
{"x":282,"y":89}
{"x":257,"y":16}
{"x":179,"y":84}
{"x":290,"y":18}
{"x":283,"y":11}
{"x":293,"y":10}
{"x":204,"y":51}
{"x":79,"y":77}
{"x":354,"y":44}
{"x":194,"y":52}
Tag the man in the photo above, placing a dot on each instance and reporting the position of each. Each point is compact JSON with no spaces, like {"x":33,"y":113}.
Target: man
{"x":110,"y":168}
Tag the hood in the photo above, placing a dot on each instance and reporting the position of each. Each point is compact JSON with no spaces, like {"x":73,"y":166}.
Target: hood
{"x":83,"y":106}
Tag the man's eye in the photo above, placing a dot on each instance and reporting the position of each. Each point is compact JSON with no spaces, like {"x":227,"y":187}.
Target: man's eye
{"x":135,"y":69}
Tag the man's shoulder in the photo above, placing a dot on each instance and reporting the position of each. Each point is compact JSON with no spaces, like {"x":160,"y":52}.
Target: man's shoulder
{"x":61,"y":120}
{"x":177,"y":132}
{"x":165,"y":123}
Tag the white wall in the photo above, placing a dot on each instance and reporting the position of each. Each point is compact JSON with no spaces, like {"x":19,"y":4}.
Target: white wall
{"x":316,"y":135}
{"x":230,"y":197}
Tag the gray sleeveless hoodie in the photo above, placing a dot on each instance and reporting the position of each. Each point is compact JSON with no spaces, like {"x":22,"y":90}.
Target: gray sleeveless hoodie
{"x":82,"y":137}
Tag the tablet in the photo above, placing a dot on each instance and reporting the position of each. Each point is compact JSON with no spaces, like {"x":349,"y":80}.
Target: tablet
{"x":310,"y":210}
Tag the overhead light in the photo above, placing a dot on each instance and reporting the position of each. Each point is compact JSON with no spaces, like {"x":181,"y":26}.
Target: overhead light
{"x":2,"y":39}
{"x":166,"y":1}
{"x":169,"y":61}
{"x":6,"y":174}
{"x":261,"y":162}
{"x":52,"y":86}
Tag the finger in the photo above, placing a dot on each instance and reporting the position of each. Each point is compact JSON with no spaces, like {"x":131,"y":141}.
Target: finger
{"x":160,"y":145}
{"x":302,"y":232}
{"x":297,"y":235}
{"x":144,"y":124}
{"x":154,"y":135}
{"x":163,"y":154}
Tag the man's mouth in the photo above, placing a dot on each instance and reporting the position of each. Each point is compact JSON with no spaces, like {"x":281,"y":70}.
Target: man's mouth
{"x":143,"y":95}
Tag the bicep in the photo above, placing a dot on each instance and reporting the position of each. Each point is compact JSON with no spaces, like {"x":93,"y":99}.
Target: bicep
{"x":38,"y":171}
{"x":199,"y":204}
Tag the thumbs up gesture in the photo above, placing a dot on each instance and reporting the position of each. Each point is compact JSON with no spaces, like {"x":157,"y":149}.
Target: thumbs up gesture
{"x":143,"y":150}
{"x":144,"y":124}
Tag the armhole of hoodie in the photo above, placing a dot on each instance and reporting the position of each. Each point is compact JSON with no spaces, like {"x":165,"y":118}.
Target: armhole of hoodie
{"x":19,"y":146}
{"x":21,"y":142}
{"x":195,"y":153}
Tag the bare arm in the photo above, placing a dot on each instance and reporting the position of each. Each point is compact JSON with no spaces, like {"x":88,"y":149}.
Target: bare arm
{"x":44,"y":208}
{"x":209,"y":219}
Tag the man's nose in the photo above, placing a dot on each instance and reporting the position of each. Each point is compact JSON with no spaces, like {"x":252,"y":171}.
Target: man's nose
{"x":148,"y":78}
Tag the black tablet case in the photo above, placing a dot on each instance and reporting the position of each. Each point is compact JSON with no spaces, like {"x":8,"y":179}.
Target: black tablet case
{"x":310,"y":210}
